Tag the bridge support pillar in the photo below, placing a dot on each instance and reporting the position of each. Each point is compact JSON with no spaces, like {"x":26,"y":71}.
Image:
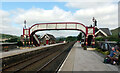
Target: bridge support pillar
{"x":93,"y":42}
{"x":86,"y":42}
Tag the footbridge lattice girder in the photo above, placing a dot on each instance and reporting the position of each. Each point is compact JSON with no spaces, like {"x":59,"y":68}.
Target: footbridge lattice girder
{"x":59,"y":26}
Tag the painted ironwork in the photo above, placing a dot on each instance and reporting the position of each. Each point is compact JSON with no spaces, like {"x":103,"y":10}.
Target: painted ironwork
{"x":59,"y":26}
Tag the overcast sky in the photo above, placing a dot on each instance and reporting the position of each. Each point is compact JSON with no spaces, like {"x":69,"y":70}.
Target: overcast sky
{"x":14,"y":13}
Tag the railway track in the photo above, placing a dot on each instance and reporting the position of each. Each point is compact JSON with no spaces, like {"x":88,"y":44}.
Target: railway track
{"x":41,"y":62}
{"x":48,"y":66}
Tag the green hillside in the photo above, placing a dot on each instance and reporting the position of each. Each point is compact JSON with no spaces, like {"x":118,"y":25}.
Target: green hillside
{"x":115,"y":31}
{"x":7,"y":36}
{"x":11,"y":38}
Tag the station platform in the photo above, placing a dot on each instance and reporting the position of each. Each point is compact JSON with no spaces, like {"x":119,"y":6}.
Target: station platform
{"x":85,"y":60}
{"x":20,"y":51}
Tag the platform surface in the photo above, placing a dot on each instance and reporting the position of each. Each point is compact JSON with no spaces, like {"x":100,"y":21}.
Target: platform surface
{"x":19,"y":51}
{"x":85,"y":60}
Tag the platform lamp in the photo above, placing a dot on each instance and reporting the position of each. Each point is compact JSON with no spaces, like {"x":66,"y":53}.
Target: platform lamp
{"x":94,"y":22}
{"x":86,"y":43}
{"x":29,"y":43}
{"x":23,"y":43}
{"x":32,"y":43}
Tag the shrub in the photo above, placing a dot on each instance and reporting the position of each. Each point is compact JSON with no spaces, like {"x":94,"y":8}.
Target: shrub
{"x":106,"y":52}
{"x":98,"y":49}
{"x":109,"y":38}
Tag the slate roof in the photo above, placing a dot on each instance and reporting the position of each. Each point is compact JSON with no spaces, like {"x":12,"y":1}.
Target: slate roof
{"x":51,"y":36}
{"x":106,"y":30}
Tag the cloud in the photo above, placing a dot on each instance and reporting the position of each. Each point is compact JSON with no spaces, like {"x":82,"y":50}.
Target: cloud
{"x":103,"y":9}
{"x":6,"y":24}
{"x":32,"y":16}
{"x":11,"y":30}
{"x":105,"y":14}
{"x":83,"y":4}
{"x":36,"y":15}
{"x":4,"y":16}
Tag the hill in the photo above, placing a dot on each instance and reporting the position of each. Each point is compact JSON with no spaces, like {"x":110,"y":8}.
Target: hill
{"x":7,"y":36}
{"x":115,"y":31}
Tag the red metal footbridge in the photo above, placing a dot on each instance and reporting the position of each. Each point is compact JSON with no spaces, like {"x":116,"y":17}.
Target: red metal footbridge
{"x":30,"y":32}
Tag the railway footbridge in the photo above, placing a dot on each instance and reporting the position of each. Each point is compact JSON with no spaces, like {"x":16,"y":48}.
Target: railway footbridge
{"x":89,"y":32}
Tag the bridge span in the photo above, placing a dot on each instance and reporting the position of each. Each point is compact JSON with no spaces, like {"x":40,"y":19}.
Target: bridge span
{"x":88,"y":31}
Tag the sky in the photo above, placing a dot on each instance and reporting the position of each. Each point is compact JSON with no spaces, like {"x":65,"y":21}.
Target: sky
{"x":13,"y":13}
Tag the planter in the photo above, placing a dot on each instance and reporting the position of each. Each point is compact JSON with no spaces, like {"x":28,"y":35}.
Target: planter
{"x":82,"y":45}
{"x":6,"y":50}
{"x":85,"y":48}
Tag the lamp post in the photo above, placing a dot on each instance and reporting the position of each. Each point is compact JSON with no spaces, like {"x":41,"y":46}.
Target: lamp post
{"x":94,"y":22}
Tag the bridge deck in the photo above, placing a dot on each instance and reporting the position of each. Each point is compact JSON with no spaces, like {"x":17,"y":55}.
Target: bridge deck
{"x":20,"y":51}
{"x":84,"y":60}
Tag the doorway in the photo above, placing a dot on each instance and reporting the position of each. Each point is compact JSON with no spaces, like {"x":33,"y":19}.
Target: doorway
{"x":90,"y":37}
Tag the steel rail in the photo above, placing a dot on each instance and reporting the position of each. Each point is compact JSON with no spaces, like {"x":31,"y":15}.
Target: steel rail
{"x":26,"y":60}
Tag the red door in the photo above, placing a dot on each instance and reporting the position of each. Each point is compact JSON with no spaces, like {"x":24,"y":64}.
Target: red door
{"x":47,"y":41}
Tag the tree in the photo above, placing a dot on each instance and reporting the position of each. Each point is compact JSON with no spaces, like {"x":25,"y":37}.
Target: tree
{"x":71,"y":38}
{"x":79,"y":37}
{"x":13,"y":39}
